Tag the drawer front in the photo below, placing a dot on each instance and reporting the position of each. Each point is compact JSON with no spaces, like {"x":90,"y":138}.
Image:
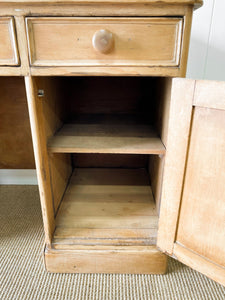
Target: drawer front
{"x":8,"y":45}
{"x":135,"y":41}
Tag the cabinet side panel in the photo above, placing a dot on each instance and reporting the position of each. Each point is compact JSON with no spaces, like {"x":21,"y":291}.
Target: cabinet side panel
{"x":161,"y":121}
{"x":155,"y":169}
{"x":162,"y":107}
{"x":61,"y":169}
{"x":54,"y":108}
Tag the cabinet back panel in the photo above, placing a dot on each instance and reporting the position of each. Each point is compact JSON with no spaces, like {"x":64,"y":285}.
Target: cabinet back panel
{"x":109,"y":95}
{"x":109,"y":160}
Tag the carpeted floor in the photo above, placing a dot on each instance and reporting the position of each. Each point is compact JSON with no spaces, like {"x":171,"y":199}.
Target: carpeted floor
{"x":22,"y":274}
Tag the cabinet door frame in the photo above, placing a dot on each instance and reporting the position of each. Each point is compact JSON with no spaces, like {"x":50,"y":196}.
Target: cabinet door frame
{"x":185,"y":95}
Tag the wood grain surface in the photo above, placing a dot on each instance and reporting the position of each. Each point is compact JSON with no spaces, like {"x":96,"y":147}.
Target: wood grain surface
{"x":8,"y":42}
{"x":117,"y":201}
{"x":120,"y":136}
{"x":137,"y":41}
{"x":16,"y":151}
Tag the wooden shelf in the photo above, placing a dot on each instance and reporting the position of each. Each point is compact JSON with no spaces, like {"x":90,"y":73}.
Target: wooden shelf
{"x":105,"y":208}
{"x":106,"y":134}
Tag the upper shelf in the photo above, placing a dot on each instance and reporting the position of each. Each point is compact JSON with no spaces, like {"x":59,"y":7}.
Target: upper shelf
{"x":106,"y":134}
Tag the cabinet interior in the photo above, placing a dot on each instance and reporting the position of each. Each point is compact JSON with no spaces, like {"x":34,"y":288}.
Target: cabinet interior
{"x":106,"y":143}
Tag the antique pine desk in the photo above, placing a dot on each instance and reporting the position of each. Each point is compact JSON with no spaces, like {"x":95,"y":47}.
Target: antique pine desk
{"x":129,"y":160}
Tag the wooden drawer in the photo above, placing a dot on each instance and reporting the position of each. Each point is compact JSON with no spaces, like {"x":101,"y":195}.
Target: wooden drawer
{"x":136,"y":41}
{"x":8,"y":45}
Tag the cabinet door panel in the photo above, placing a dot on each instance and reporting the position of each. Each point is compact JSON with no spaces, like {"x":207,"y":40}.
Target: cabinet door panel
{"x":201,"y":226}
{"x":192,"y":222}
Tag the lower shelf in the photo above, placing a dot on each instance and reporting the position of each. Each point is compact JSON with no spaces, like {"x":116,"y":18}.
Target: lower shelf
{"x":107,"y":223}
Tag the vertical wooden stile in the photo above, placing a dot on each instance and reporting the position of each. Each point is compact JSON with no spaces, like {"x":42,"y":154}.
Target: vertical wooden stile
{"x":41,"y":157}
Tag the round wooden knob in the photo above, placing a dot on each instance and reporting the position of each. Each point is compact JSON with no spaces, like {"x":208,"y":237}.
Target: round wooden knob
{"x":102,"y":41}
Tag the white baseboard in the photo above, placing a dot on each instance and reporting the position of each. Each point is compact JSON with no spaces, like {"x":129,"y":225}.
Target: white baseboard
{"x":20,"y":176}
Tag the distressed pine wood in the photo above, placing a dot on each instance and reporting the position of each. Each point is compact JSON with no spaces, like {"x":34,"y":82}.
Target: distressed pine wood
{"x":183,"y":2}
{"x":116,"y":231}
{"x":176,"y":149}
{"x":16,"y":150}
{"x":196,"y":216}
{"x":161,"y":121}
{"x":122,"y":260}
{"x":53,"y":114}
{"x":61,"y":170}
{"x":106,"y":215}
{"x":41,"y":157}
{"x":108,"y":198}
{"x":210,"y":94}
{"x":93,"y":9}
{"x":82,"y":235}
{"x":155,"y":169}
{"x":162,"y":107}
{"x":106,"y":71}
{"x":22,"y":45}
{"x":110,"y":135}
{"x":8,"y":44}
{"x":137,"y":41}
{"x":199,"y":263}
{"x":201,"y":225}
{"x":21,"y":9}
{"x":186,"y":40}
{"x":10,"y":71}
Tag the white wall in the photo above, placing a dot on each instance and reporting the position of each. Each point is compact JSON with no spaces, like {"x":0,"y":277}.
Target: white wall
{"x":20,"y":176}
{"x":207,"y":46}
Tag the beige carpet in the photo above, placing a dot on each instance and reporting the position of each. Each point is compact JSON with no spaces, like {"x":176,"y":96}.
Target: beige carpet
{"x":22,"y":275}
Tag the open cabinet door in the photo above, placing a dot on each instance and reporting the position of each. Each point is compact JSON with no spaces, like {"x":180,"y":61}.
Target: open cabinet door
{"x":192,"y":212}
